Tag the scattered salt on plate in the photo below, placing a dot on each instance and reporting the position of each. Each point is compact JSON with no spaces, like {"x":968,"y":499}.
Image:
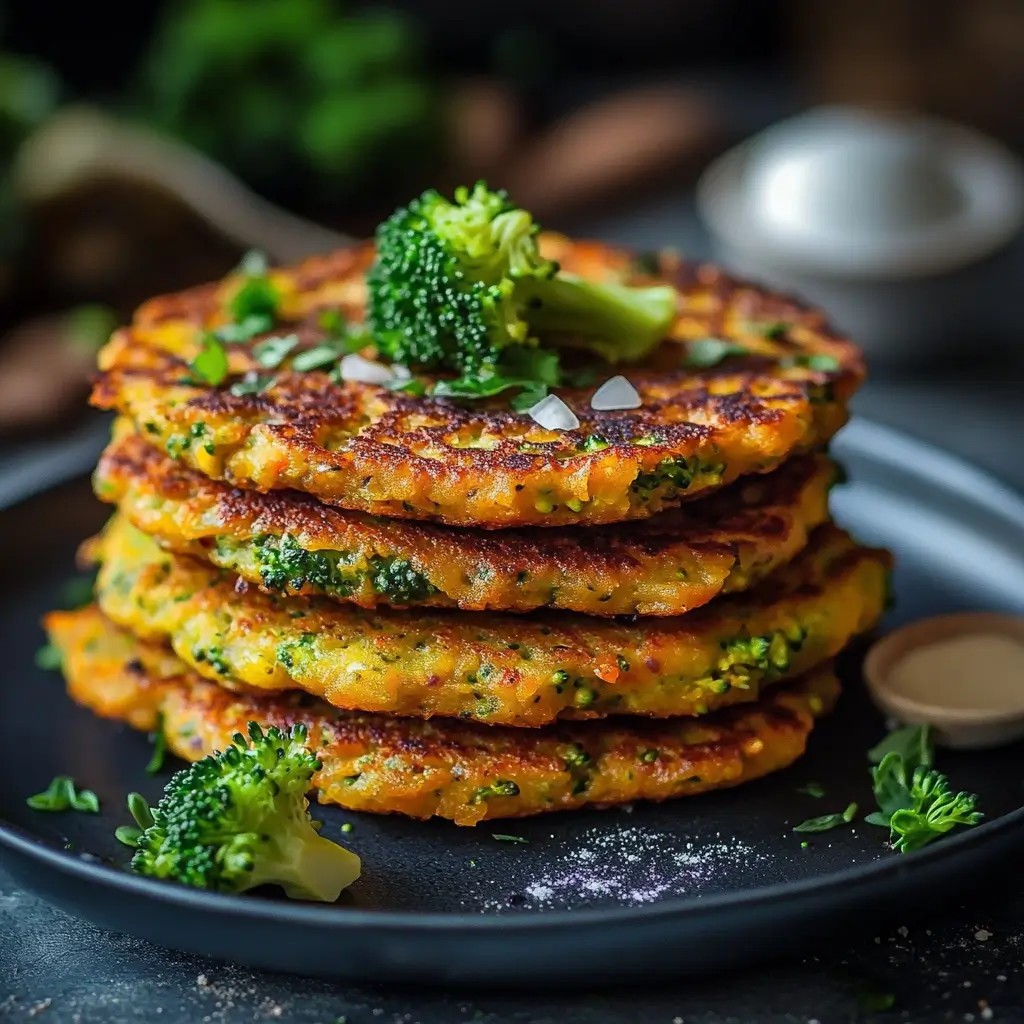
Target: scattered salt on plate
{"x":553,"y":414}
{"x":355,"y":368}
{"x":616,"y":393}
{"x":627,"y":865}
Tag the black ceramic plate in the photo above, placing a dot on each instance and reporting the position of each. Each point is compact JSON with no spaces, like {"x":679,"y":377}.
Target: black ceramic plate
{"x":688,"y":886}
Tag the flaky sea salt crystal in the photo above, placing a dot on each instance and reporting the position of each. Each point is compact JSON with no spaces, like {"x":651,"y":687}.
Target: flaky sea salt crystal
{"x":616,"y":393}
{"x":355,"y":368}
{"x":553,"y":414}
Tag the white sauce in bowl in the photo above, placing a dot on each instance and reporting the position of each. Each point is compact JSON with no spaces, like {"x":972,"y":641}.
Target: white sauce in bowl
{"x":962,"y":674}
{"x":970,"y":672}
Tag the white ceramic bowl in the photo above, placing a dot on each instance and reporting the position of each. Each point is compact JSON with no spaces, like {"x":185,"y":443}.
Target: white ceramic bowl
{"x":898,"y":227}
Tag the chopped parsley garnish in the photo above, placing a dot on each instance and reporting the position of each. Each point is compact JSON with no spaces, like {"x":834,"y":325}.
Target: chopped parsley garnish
{"x":48,"y":658}
{"x":156,"y":762}
{"x":252,"y":384}
{"x":243,"y":331}
{"x":317,"y":358}
{"x":915,"y":802}
{"x":61,"y":795}
{"x":818,"y":361}
{"x":272,"y":352}
{"x":210,"y":366}
{"x":502,"y":838}
{"x":341,"y":340}
{"x":409,"y":385}
{"x":914,"y":744}
{"x":814,"y":789}
{"x":533,"y":370}
{"x":706,"y":352}
{"x":827,"y":821}
{"x":253,"y":308}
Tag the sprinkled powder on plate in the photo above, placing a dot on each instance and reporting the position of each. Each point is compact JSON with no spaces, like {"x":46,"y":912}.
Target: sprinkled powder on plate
{"x":628,"y":865}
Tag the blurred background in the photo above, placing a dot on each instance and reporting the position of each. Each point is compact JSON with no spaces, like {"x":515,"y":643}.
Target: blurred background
{"x":147,"y":146}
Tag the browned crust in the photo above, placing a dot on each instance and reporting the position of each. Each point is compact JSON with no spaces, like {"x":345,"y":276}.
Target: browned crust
{"x":666,"y":565}
{"x":422,"y":769}
{"x":383,"y":452}
{"x":501,"y":669}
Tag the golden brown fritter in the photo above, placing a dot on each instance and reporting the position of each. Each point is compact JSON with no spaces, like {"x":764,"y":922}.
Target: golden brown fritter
{"x":500,"y":669}
{"x":364,"y":447}
{"x":287,"y":542}
{"x":458,"y":770}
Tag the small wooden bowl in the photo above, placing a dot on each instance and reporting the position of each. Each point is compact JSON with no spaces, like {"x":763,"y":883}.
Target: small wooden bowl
{"x":959,"y":728}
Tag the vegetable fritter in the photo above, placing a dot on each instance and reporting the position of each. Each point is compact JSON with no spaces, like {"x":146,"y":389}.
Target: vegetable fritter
{"x":457,"y":770}
{"x":500,"y":669}
{"x":746,"y":379}
{"x":290,"y":543}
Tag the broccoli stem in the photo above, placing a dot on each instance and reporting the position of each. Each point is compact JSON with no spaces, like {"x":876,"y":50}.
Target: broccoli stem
{"x":618,"y":322}
{"x":306,"y":865}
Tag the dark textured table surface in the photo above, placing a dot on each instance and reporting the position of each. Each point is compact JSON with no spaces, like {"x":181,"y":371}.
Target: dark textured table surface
{"x":966,"y":967}
{"x":958,"y":962}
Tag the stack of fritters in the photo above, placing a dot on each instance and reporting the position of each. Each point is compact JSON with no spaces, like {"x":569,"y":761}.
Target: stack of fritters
{"x":437,"y":588}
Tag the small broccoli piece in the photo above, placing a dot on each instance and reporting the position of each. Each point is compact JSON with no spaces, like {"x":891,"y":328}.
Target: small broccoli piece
{"x":240,"y":819}
{"x":456,"y":284}
{"x":935,"y":810}
{"x":921,"y":809}
{"x":399,"y":581}
{"x":283,"y":563}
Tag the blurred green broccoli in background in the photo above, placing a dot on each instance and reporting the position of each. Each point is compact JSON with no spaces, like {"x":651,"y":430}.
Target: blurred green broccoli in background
{"x":293,"y":90}
{"x":29,"y":92}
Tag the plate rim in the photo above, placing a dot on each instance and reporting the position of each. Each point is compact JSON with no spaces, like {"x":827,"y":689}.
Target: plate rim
{"x":320,"y":916}
{"x":885,"y":444}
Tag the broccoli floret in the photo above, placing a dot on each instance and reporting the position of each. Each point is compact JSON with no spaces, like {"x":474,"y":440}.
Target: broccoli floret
{"x":935,"y":810}
{"x":240,"y":819}
{"x":456,"y":284}
{"x":398,"y":580}
{"x":284,"y":563}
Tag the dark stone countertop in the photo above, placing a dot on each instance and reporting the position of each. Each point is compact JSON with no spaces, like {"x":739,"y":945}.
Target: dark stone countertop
{"x":962,"y":963}
{"x":966,"y":967}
